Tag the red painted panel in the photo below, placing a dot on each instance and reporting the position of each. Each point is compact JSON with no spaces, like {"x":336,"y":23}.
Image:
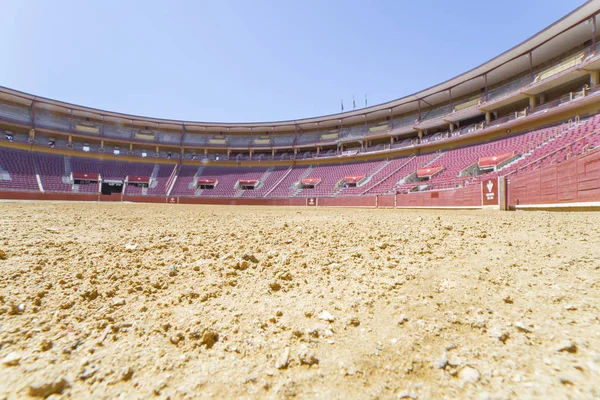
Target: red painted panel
{"x":85,"y":176}
{"x":109,"y":197}
{"x":362,"y":201}
{"x":386,"y":200}
{"x":589,"y":195}
{"x":311,"y":181}
{"x":429,"y":171}
{"x":467,"y":196}
{"x":354,"y":178}
{"x":139,"y":179}
{"x":492,"y":161}
{"x":588,"y":184}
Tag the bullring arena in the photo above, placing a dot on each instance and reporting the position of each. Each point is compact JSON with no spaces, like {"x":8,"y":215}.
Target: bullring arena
{"x":437,"y":246}
{"x":282,"y":302}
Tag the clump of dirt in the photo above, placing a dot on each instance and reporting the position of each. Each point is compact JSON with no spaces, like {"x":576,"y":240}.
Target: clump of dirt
{"x":133,"y":300}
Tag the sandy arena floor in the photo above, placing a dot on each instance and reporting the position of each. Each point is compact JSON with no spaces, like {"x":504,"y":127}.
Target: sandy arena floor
{"x":165,"y":301}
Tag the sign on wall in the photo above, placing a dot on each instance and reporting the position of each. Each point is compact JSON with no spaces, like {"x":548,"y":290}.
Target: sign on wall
{"x":489,"y":192}
{"x":311,"y":202}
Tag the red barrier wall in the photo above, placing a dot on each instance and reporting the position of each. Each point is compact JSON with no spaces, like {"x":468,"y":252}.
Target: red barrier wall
{"x":146,"y":199}
{"x":363,"y":201}
{"x":243,"y":201}
{"x":468,"y":196}
{"x":573,"y":181}
{"x":47,"y":196}
{"x":386,"y":201}
{"x":109,"y":197}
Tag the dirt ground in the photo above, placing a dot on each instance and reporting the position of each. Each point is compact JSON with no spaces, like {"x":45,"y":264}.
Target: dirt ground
{"x":168,"y":301}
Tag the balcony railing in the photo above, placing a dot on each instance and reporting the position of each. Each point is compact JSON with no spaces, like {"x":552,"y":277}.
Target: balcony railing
{"x":562,"y":66}
{"x":508,"y":88}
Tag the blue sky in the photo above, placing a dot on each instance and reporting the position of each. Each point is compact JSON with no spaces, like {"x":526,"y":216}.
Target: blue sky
{"x":252,"y":60}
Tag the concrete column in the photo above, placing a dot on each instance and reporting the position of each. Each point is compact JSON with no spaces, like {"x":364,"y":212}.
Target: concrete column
{"x":532,"y":101}
{"x":102,"y":144}
{"x":295,"y":150}
{"x":451,"y":127}
{"x":488,"y":117}
{"x":272,"y":152}
{"x":70,"y":139}
{"x":594,"y":78}
{"x":391,"y":140}
{"x":420,"y":133}
{"x":32,"y":133}
{"x":318,"y":150}
{"x":157,"y":150}
{"x":130,"y":145}
{"x":251,"y":152}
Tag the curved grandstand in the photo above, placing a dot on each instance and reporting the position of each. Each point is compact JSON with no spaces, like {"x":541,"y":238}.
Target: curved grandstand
{"x":532,"y":107}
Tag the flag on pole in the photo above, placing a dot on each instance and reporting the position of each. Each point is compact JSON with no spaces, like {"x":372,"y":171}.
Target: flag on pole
{"x":353,"y":103}
{"x":342,"y":105}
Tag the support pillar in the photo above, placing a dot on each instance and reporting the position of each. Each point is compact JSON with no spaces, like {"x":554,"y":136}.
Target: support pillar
{"x":420,"y":133}
{"x":102,"y":144}
{"x":318,"y":150}
{"x":70,"y":140}
{"x":451,"y":127}
{"x":272,"y":152}
{"x":532,"y":101}
{"x":542,"y":99}
{"x":531,"y":64}
{"x":228,"y":152}
{"x":205,"y":152}
{"x":130,"y":145}
{"x":32,"y":134}
{"x":391,"y":140}
{"x":594,"y":34}
{"x":488,"y":117}
{"x":486,"y":87}
{"x":594,"y":78}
